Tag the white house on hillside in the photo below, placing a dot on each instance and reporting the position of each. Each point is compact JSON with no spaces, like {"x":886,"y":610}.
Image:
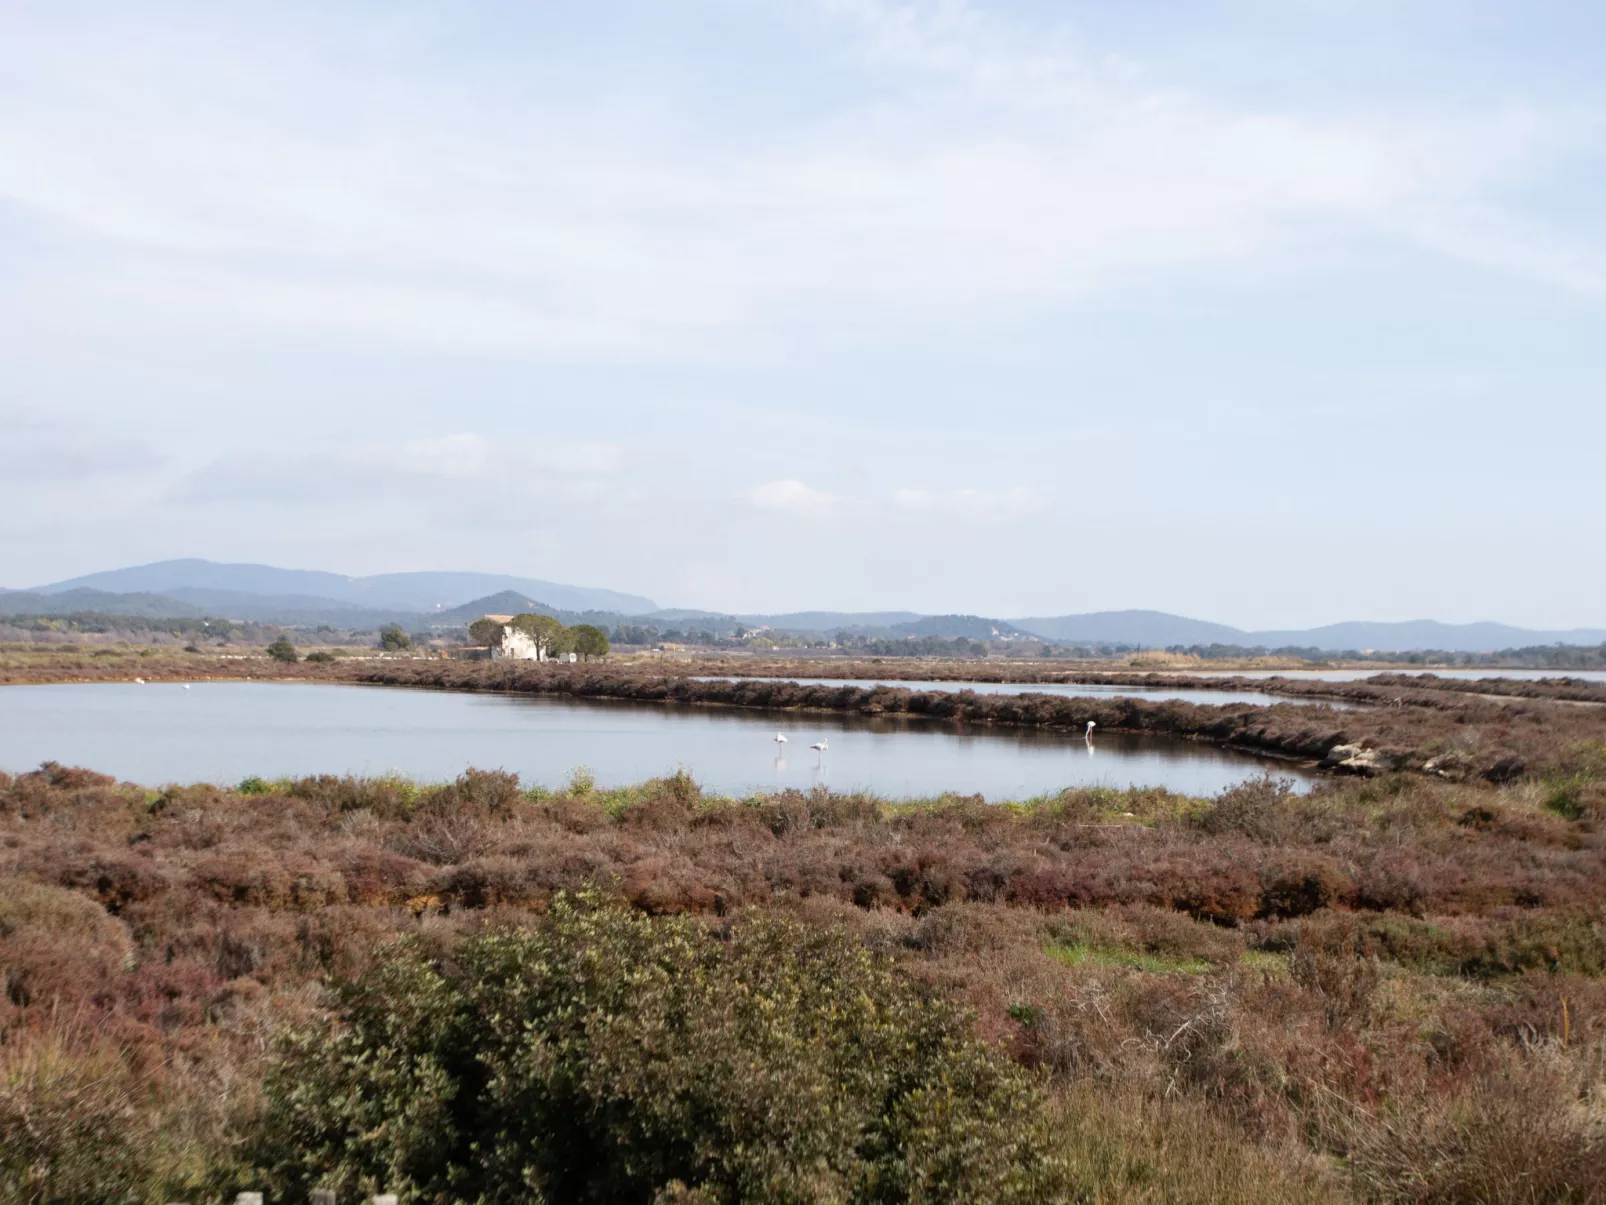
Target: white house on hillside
{"x":521,"y":646}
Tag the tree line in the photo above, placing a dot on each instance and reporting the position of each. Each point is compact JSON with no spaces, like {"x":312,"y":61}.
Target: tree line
{"x":550,"y":637}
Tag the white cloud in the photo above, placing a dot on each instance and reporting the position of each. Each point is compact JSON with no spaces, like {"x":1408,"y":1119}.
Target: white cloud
{"x":469,"y":454}
{"x":792,"y":498}
{"x":462,"y":474}
{"x":969,"y":504}
{"x":992,"y":165}
{"x":463,"y":455}
{"x":68,"y":457}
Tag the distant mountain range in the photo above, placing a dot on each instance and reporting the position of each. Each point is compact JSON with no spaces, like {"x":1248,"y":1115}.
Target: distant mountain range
{"x":1153,"y":629}
{"x":1427,"y":634}
{"x":513,"y":602}
{"x":193,"y":588}
{"x":1156,"y":629}
{"x":144,"y":606}
{"x":403,"y":592}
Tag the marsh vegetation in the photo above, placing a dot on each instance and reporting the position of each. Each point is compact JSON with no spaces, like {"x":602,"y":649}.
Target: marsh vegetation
{"x":1383,"y":990}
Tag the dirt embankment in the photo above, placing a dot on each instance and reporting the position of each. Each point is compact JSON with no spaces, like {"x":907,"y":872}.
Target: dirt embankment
{"x":70,"y":664}
{"x":1559,"y":688}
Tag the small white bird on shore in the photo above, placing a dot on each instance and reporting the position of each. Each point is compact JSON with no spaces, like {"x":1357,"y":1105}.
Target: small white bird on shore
{"x":139,"y":681}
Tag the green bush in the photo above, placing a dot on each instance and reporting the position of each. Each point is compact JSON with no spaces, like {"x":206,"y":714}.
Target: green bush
{"x":605,"y":1056}
{"x":282,"y":650}
{"x":590,"y":641}
{"x":1576,"y":789}
{"x":320,"y":657}
{"x":393,"y":638}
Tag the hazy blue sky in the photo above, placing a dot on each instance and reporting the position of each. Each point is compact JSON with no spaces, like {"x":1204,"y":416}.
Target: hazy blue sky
{"x":1274,"y":312}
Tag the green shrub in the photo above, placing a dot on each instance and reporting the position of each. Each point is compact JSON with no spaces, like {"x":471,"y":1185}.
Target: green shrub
{"x":590,"y":641}
{"x":393,"y":638}
{"x":282,"y":650}
{"x":605,"y":1056}
{"x":1576,"y":789}
{"x":320,"y":657}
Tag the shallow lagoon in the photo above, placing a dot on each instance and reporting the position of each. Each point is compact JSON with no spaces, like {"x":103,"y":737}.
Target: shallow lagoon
{"x":224,"y":731}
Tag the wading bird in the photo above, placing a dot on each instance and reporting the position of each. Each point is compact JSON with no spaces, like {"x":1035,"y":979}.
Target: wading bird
{"x":1091,"y":724}
{"x":780,"y":739}
{"x":820,"y":748}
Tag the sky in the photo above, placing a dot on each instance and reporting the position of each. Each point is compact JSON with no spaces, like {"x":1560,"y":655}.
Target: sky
{"x":1270,"y":312}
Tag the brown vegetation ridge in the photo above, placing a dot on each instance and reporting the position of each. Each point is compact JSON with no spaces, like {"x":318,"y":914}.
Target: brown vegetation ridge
{"x":1383,"y":687}
{"x":1387,"y":990}
{"x":22,"y":665}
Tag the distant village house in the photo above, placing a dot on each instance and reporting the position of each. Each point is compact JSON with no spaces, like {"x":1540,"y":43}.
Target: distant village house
{"x":519,"y":645}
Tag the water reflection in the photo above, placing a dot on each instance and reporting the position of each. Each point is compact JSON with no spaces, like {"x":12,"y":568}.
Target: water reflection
{"x":223,"y":731}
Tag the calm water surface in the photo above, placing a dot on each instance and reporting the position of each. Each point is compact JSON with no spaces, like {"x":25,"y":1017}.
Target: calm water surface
{"x":223,"y":731}
{"x":1068,"y":689}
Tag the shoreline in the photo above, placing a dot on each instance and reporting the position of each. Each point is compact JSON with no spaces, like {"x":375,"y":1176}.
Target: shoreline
{"x":1450,"y":728}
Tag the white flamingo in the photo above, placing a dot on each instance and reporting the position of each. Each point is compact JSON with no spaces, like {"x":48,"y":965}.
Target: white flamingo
{"x":820,"y":747}
{"x":1091,"y":724}
{"x":780,"y":739}
{"x":139,"y":681}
